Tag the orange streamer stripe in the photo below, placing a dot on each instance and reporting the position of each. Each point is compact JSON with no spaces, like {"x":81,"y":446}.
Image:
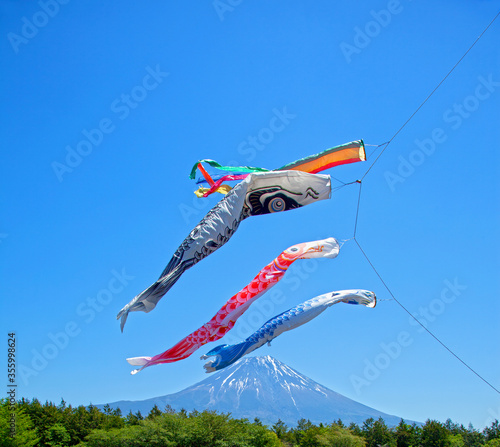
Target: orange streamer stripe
{"x":331,"y":165}
{"x":344,"y":156}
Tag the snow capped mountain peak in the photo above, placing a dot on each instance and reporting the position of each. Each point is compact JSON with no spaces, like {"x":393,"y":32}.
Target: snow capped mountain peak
{"x":266,"y":388}
{"x":258,"y":378}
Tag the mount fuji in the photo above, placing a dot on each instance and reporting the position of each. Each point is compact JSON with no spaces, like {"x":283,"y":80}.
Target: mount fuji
{"x":266,"y":388}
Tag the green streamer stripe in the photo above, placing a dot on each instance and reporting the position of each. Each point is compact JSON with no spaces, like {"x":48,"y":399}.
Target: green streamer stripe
{"x":216,"y":165}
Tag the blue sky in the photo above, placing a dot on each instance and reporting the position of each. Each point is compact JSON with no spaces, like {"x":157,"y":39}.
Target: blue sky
{"x":143,"y":90}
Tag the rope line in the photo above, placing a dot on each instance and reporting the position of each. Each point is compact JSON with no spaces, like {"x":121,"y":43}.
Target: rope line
{"x":374,"y":150}
{"x":359,"y":201}
{"x":357,"y":212}
{"x":418,"y":321}
{"x":426,"y":99}
{"x":338,"y":180}
{"x":343,"y":184}
{"x":343,"y":241}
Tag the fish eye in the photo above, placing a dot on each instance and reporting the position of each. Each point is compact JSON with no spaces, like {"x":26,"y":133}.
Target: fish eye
{"x":294,"y":249}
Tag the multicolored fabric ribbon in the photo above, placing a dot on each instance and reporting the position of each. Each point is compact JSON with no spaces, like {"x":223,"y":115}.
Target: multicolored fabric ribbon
{"x":335,"y":156}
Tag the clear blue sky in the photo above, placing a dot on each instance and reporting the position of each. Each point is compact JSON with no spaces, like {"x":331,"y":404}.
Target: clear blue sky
{"x":168,"y":84}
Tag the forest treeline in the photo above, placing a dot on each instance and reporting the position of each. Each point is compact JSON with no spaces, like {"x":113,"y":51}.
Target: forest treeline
{"x":30,"y":423}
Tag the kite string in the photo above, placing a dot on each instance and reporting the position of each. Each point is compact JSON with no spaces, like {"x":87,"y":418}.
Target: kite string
{"x":359,"y":201}
{"x":343,"y":241}
{"x":426,"y":99}
{"x":357,"y":211}
{"x":421,"y":324}
{"x":374,"y":150}
{"x":343,"y":184}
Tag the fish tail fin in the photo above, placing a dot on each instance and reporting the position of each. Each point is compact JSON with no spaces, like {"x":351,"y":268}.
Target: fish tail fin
{"x":139,"y":361}
{"x":225,"y":355}
{"x":123,"y":314}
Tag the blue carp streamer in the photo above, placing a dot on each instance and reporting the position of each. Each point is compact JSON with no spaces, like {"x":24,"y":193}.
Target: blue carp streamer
{"x":290,"y":319}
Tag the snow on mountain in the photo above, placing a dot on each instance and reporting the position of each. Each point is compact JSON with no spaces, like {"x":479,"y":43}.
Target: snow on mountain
{"x":266,"y":388}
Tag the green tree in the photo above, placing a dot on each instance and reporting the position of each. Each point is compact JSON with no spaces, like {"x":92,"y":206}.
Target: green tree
{"x":300,"y":430}
{"x":207,"y":427}
{"x":310,"y":436}
{"x":107,"y":409}
{"x":169,"y":410}
{"x":472,"y":437}
{"x":456,"y":441}
{"x":113,"y":419}
{"x":131,"y":419}
{"x":453,"y":428}
{"x":16,"y":427}
{"x":255,"y":435}
{"x":152,"y":433}
{"x":492,"y":432}
{"x":304,"y":424}
{"x":434,"y":434}
{"x":129,"y":436}
{"x":57,"y":436}
{"x":280,"y":428}
{"x":342,"y":437}
{"x":155,"y":412}
{"x":176,"y":424}
{"x":406,"y":435}
{"x":377,"y":434}
{"x":355,"y":429}
{"x":93,"y":417}
{"x":85,"y":419}
{"x":333,"y":435}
